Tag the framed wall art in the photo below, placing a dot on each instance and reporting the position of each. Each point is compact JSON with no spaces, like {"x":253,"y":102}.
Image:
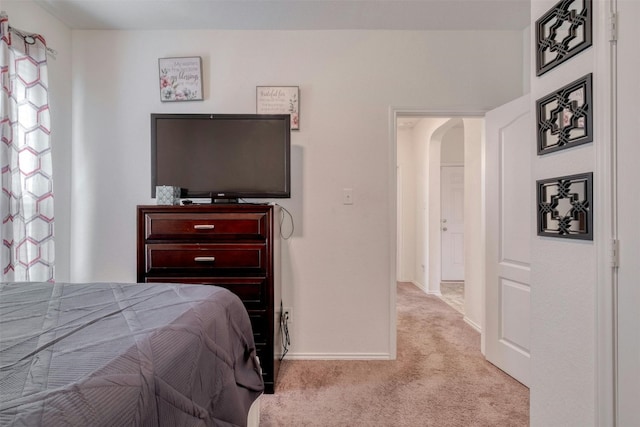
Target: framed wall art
{"x":565,"y":207}
{"x":180,"y":79}
{"x":563,"y":32}
{"x":279,"y":100}
{"x":565,"y":117}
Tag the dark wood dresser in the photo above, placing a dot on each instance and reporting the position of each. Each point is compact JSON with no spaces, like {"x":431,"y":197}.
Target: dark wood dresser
{"x":235,"y":246}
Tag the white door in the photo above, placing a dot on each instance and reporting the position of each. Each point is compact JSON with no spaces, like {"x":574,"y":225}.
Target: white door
{"x":452,"y":222}
{"x":509,"y":210}
{"x":628,"y":208}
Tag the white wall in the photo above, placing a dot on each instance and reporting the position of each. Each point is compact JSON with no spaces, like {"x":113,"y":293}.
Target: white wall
{"x":527,"y":47}
{"x":474,"y":243}
{"x":407,"y":164}
{"x":434,"y":258}
{"x":339,"y":258}
{"x":452,"y":150}
{"x":426,"y":159}
{"x":26,"y":16}
{"x":564,"y":272}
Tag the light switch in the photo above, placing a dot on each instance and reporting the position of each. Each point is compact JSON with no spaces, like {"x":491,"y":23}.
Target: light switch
{"x":347,"y":196}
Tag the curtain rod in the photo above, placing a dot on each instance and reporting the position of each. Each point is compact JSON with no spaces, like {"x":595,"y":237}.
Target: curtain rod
{"x":29,"y":39}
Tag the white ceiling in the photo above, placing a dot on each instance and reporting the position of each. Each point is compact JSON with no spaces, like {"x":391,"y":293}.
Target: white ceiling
{"x":291,"y":14}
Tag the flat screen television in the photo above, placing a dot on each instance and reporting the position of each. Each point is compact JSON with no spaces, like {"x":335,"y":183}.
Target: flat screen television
{"x":224,"y":157}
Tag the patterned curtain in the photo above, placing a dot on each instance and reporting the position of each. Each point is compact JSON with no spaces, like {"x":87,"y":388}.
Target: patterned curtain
{"x":26,"y":202}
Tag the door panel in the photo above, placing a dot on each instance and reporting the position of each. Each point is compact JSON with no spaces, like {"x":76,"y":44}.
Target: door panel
{"x":516,"y":195}
{"x":452,"y":229}
{"x":509,"y":193}
{"x":514,"y":311}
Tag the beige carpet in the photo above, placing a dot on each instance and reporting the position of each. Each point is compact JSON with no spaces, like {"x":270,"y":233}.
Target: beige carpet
{"x":453,"y":294}
{"x":440,"y":378}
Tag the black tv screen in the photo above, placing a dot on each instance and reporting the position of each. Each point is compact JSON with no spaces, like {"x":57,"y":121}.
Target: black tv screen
{"x":222,"y":156}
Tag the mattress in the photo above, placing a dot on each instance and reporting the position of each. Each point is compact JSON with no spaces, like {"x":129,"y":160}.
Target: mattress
{"x":110,"y":354}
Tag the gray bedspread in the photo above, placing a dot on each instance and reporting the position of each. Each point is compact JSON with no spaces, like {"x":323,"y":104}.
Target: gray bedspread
{"x":108,"y":354}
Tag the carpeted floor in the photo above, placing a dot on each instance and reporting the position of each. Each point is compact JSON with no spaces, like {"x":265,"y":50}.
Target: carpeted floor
{"x":440,"y":378}
{"x":453,"y":294}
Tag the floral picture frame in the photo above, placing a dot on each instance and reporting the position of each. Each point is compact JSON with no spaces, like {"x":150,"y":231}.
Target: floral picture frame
{"x":279,"y":100}
{"x":180,"y":79}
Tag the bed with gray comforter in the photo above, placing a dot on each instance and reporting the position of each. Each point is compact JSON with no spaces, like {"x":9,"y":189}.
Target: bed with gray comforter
{"x":109,"y":354}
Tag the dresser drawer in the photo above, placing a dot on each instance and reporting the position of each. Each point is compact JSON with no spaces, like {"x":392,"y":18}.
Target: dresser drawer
{"x":235,"y":246}
{"x":205,"y":226}
{"x":264,"y":357}
{"x":251,"y":258}
{"x":259,"y":325}
{"x":252,"y":291}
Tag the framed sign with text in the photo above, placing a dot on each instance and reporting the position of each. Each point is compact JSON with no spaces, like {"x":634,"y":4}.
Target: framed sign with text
{"x":279,"y":100}
{"x":180,"y":79}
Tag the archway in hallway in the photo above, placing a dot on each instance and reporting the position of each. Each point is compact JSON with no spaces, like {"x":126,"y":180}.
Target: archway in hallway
{"x":419,"y":221}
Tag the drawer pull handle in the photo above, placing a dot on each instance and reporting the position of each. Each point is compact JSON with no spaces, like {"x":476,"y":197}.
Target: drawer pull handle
{"x":204,"y":226}
{"x":204,"y":259}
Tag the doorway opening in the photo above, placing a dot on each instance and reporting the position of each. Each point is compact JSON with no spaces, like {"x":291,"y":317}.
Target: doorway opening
{"x":430,"y":240}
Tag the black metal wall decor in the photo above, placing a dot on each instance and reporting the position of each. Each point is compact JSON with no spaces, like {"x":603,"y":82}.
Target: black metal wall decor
{"x":564,"y":31}
{"x":565,"y":117}
{"x":565,"y":207}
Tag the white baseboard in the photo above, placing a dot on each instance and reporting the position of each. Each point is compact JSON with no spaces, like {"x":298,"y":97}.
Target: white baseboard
{"x":338,"y":356}
{"x":425,"y":290}
{"x":473,"y":324}
{"x":418,"y":285}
